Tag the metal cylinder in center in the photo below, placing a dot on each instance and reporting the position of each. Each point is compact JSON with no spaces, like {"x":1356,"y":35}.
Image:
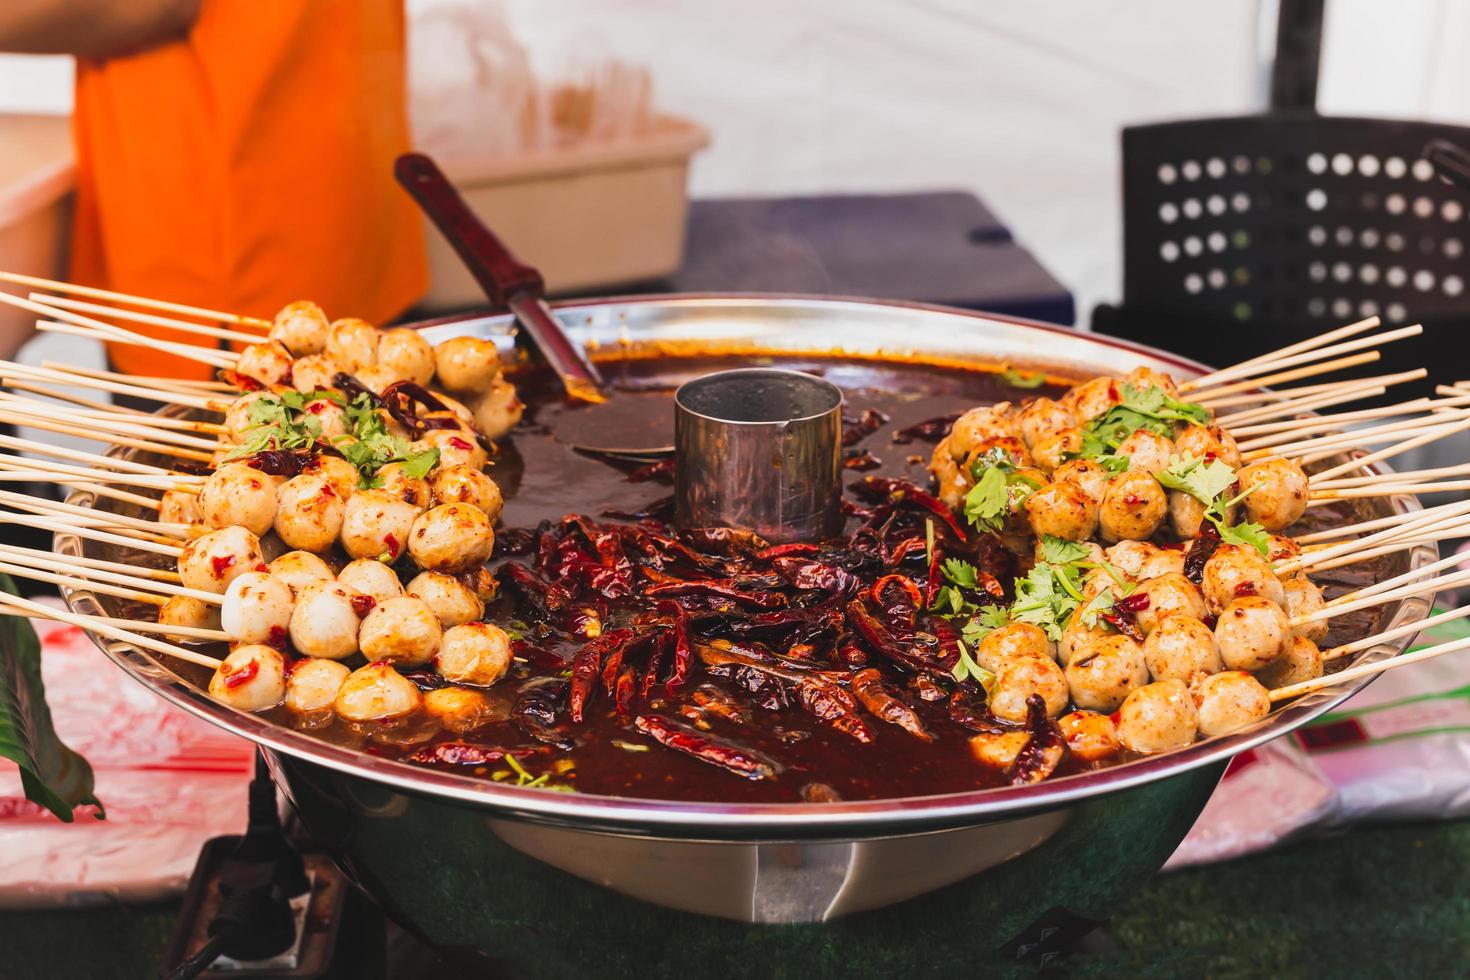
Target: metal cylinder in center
{"x":759,"y":449}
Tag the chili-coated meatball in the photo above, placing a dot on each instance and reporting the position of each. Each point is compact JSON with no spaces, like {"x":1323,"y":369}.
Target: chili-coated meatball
{"x":1062,"y":510}
{"x":1208,"y":442}
{"x":342,"y":475}
{"x":978,"y":425}
{"x":1092,"y":398}
{"x":456,"y":448}
{"x":257,"y":609}
{"x":251,"y":678}
{"x":950,"y":479}
{"x":1167,"y":594}
{"x":1181,"y":646}
{"x":376,"y":692}
{"x":497,"y":409}
{"x":179,"y":507}
{"x":1043,"y":417}
{"x":1106,"y":672}
{"x":1158,"y":717}
{"x":1146,"y":377}
{"x":1088,"y":474}
{"x":310,"y":512}
{"x":1229,"y":701}
{"x":1251,"y":633}
{"x":395,"y":479}
{"x":1302,"y":662}
{"x":1163,"y":561}
{"x":314,"y":372}
{"x":1280,"y":494}
{"x":239,"y":494}
{"x":300,"y":568}
{"x":371,"y":577}
{"x":452,"y":601}
{"x":1133,"y":508}
{"x":213,"y":560}
{"x":1091,"y":737}
{"x":406,"y":355}
{"x":330,"y":418}
{"x":1146,"y":451}
{"x":376,"y":523}
{"x":459,"y":709}
{"x":1052,"y":451}
{"x":1186,"y":515}
{"x":1303,"y":598}
{"x":1077,"y":636}
{"x":466,"y":485}
{"x":998,"y":750}
{"x":451,"y":538}
{"x":301,"y":327}
{"x":474,"y":653}
{"x":1281,"y":548}
{"x":1018,"y":678}
{"x":269,"y":363}
{"x":1000,"y":449}
{"x":467,"y":365}
{"x":402,"y":630}
{"x":353,"y":344}
{"x":1010,"y":641}
{"x":1234,"y":571}
{"x":312,"y":686}
{"x":185,"y":610}
{"x":1129,"y":556}
{"x":237,"y":420}
{"x":325,"y":620}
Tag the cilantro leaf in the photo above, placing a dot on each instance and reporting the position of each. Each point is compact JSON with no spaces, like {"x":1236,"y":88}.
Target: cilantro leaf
{"x":961,"y":573}
{"x":1140,"y":408}
{"x":1099,"y":604}
{"x":985,"y":504}
{"x":1059,"y":551}
{"x":1192,"y":475}
{"x":1246,"y":533}
{"x":1047,"y":597}
{"x":951,"y":598}
{"x":987,"y":619}
{"x":418,"y":465}
{"x":1022,"y":379}
{"x":967,"y":669}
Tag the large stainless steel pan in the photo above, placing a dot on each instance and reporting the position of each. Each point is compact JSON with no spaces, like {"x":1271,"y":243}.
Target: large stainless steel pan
{"x":468,"y":863}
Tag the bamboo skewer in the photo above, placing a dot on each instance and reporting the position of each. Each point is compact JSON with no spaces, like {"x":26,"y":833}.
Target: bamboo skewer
{"x":48,"y":559}
{"x":89,"y":514}
{"x":10,"y":369}
{"x":1378,"y":523}
{"x":1453,"y":514}
{"x":120,"y":424}
{"x":86,"y":408}
{"x":1428,"y":436}
{"x":183,"y":326}
{"x":1310,"y":343}
{"x":1402,"y":544}
{"x":110,"y":438}
{"x":73,"y":582}
{"x":91,"y":462}
{"x":92,"y":533}
{"x":29,"y":608}
{"x":1402,"y":476}
{"x":179,"y":632}
{"x":1321,"y":497}
{"x":1407,"y":629}
{"x":1292,"y":407}
{"x":1261,"y":431}
{"x":1280,"y":399}
{"x":1368,"y":670}
{"x":36,"y":474}
{"x":204,"y":355}
{"x":1397,"y":580}
{"x":1430,"y":586}
{"x":1354,"y":438}
{"x":74,"y":289}
{"x":1309,"y":371}
{"x":190,"y":386}
{"x":46,"y":562}
{"x":1274,"y":364}
{"x":75,"y":399}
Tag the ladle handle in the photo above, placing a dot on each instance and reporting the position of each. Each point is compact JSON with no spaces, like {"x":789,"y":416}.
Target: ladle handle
{"x":507,"y":281}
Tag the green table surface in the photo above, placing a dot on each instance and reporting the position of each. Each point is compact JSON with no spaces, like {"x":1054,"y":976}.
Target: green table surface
{"x":1376,"y":902}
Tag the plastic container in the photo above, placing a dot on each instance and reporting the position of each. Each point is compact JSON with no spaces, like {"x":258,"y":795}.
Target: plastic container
{"x":590,"y":216}
{"x":37,"y":171}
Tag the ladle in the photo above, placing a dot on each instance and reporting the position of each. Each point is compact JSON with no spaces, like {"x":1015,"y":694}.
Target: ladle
{"x":597,"y":426}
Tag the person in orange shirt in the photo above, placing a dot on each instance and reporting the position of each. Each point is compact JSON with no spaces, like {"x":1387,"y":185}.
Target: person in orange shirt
{"x":236,"y":155}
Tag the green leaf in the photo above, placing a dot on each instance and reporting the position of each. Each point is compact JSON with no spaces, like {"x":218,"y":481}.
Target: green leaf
{"x":1022,"y":379}
{"x":985,"y":621}
{"x":1141,"y":408}
{"x":1101,"y":603}
{"x":951,"y":598}
{"x":1245,"y":534}
{"x":967,"y":669}
{"x":418,"y":465}
{"x":1060,"y":551}
{"x":52,"y":775}
{"x":1192,"y":475}
{"x":985,"y":504}
{"x":961,"y":573}
{"x":1047,"y":597}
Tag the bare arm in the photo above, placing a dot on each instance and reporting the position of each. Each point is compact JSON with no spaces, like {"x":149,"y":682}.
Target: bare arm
{"x":92,"y":28}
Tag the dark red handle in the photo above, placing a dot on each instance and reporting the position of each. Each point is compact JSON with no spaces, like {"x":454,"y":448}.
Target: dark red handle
{"x":498,"y":272}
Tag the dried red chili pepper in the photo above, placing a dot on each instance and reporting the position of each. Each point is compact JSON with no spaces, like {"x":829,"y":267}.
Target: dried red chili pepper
{"x":1200,"y":551}
{"x":1043,"y":751}
{"x":929,"y":430}
{"x":705,"y":748}
{"x":903,"y":491}
{"x":882,"y":704}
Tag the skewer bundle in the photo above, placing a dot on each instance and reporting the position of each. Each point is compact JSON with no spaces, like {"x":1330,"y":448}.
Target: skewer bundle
{"x":324,"y":434}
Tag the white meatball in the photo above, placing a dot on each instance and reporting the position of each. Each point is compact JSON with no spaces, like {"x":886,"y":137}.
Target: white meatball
{"x":251,"y":678}
{"x":237,"y":421}
{"x":179,"y":507}
{"x":1092,"y":398}
{"x":402,"y":630}
{"x":1130,"y":556}
{"x":1181,"y":646}
{"x":1251,"y":633}
{"x":1164,"y":561}
{"x":1050,"y":452}
{"x":300,"y":568}
{"x":1301,"y":662}
{"x":1281,"y":548}
{"x":1106,"y":673}
{"x":353,"y":343}
{"x":342,"y":475}
{"x":312,"y":685}
{"x":395,"y":479}
{"x":1303,"y":598}
{"x":269,"y":363}
{"x":376,"y":523}
{"x":459,"y":709}
{"x":314,"y":372}
{"x":951,"y":481}
{"x":1010,"y":641}
{"x":474,"y":653}
{"x":1186,"y":515}
{"x":1018,"y":678}
{"x":1091,"y":737}
{"x":376,"y":692}
{"x":1229,"y":701}
{"x":466,"y":485}
{"x":1041,"y":418}
{"x":456,"y":448}
{"x":1158,"y":717}
{"x":497,"y":409}
{"x":407,"y":355}
{"x":330,"y":418}
{"x":467,"y":364}
{"x":1147,"y":451}
{"x":372,"y":578}
{"x":257,"y":609}
{"x":1062,"y":510}
{"x":184,"y":610}
{"x":1208,"y":442}
{"x":1281,"y":493}
{"x":451,"y":538}
{"x":1146,"y":377}
{"x":979,"y":424}
{"x":326,"y":619}
{"x":1133,"y":507}
{"x":1167,"y":594}
{"x":452,"y":601}
{"x":1088,"y":474}
{"x":998,"y":750}
{"x":1234,"y":571}
{"x":213,"y":560}
{"x":310,"y":512}
{"x":375,"y":379}
{"x":1077,"y":637}
{"x":301,"y":327}
{"x":239,"y":494}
